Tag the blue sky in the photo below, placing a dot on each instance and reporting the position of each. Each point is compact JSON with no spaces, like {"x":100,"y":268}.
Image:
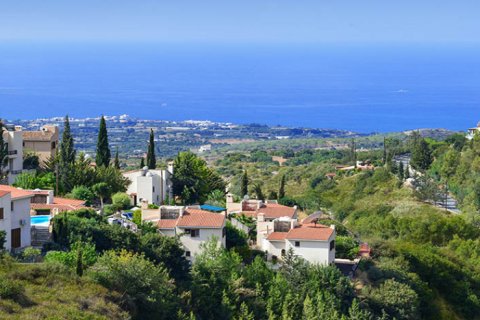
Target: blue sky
{"x":265,"y":21}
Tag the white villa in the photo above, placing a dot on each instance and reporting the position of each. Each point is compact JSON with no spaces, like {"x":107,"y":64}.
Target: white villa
{"x":12,"y":135}
{"x":473,"y":131}
{"x":194,"y":226}
{"x":15,"y":217}
{"x":152,"y":186}
{"x":313,"y":242}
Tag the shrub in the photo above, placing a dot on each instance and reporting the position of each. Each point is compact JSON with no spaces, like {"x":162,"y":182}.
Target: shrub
{"x":10,"y":289}
{"x":83,"y":193}
{"x":30,"y":254}
{"x":121,"y":200}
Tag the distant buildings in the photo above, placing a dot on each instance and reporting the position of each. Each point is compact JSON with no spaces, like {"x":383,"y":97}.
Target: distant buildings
{"x":43,"y":143}
{"x":152,"y":186}
{"x":472,"y":131}
{"x":205,"y":148}
{"x":194,"y":226}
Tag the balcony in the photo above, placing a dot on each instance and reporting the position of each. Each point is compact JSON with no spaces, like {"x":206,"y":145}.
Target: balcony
{"x":12,"y":153}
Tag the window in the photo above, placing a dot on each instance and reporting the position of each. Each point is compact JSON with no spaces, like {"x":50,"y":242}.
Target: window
{"x":53,"y":145}
{"x":187,"y":254}
{"x":12,"y":207}
{"x":1,"y":214}
{"x":283,"y":252}
{"x":224,"y":232}
{"x":153,"y":188}
{"x":332,"y":245}
{"x":297,"y":243}
{"x":194,"y":233}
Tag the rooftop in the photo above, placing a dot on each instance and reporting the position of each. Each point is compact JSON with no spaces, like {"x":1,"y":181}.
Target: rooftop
{"x":310,"y":232}
{"x":16,"y":192}
{"x":42,"y":135}
{"x":194,"y":218}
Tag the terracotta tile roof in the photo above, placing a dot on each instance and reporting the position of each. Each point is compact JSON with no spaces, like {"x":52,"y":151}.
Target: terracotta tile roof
{"x":167,"y":223}
{"x":310,"y":232}
{"x":277,"y":236}
{"x":45,"y":206}
{"x":201,"y":218}
{"x":3,"y":193}
{"x":37,"y":135}
{"x":16,"y":192}
{"x":68,"y":202}
{"x":273,"y":210}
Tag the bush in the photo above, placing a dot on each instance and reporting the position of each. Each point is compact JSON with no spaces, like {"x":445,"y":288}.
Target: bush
{"x":10,"y":289}
{"x":83,"y":193}
{"x":3,"y":239}
{"x":121,"y":200}
{"x":109,"y":209}
{"x":30,"y":254}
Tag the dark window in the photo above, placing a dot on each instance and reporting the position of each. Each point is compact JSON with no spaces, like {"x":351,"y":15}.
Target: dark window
{"x":23,"y":143}
{"x":187,"y":231}
{"x":153,"y":188}
{"x":283,"y":252}
{"x":224,"y":232}
{"x":1,"y":214}
{"x":12,"y":207}
{"x":194,"y":233}
{"x":297,"y":243}
{"x":16,"y":237}
{"x":187,"y":253}
{"x":53,"y":144}
{"x":332,"y":244}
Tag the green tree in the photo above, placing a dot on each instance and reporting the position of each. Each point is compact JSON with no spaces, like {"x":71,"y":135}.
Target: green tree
{"x":103,"y":155}
{"x":244,"y":184}
{"x":398,"y":300}
{"x":193,"y":180}
{"x":67,"y":148}
{"x":257,"y":189}
{"x":82,"y":193}
{"x":102,"y":190}
{"x":121,"y":200}
{"x":401,"y":171}
{"x":142,"y":162}
{"x":421,"y":155}
{"x":281,"y":190}
{"x":116,"y":161}
{"x":151,"y":160}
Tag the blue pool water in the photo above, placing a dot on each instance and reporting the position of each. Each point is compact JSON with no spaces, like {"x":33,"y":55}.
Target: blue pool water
{"x":36,"y":220}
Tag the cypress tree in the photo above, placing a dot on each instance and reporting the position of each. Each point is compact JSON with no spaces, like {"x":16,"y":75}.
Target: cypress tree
{"x":421,"y":155}
{"x":384,"y":150}
{"x":244,"y":186}
{"x":281,"y":190}
{"x":401,"y":171}
{"x":67,"y":148}
{"x":151,"y":161}
{"x":142,"y":163}
{"x":354,"y":153}
{"x":103,"y":151}
{"x":116,"y":162}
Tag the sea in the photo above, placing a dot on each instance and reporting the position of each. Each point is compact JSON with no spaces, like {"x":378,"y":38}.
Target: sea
{"x":360,"y":87}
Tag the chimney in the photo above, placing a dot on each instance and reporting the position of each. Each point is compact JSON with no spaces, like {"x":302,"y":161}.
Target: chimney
{"x":229,"y":198}
{"x":144,"y":205}
{"x":261,"y":217}
{"x":170,"y":167}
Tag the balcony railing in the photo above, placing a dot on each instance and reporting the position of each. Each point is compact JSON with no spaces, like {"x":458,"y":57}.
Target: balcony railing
{"x":12,"y":152}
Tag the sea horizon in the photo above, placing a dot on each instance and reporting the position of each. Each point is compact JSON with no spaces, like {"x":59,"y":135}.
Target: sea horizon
{"x":361,"y":88}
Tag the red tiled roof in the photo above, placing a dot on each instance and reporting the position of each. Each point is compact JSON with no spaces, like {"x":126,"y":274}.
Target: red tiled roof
{"x":273,"y":210}
{"x":37,"y":135}
{"x":277,"y":236}
{"x":45,"y":206}
{"x":3,"y":193}
{"x":167,"y":223}
{"x":69,"y":202}
{"x":16,"y":193}
{"x":201,"y":218}
{"x":310,"y":232}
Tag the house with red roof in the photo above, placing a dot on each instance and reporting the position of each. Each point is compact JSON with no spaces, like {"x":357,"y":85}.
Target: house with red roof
{"x":270,"y":209}
{"x":15,"y":217}
{"x":194,"y":226}
{"x":310,"y":241}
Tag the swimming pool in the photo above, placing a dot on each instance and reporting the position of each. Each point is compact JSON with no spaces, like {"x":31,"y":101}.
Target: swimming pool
{"x":40,"y":220}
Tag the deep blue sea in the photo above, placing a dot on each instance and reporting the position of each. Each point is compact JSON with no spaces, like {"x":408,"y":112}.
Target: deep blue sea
{"x":361,"y":88}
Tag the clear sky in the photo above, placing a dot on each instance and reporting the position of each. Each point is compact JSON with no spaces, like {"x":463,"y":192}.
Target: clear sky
{"x":240,"y":21}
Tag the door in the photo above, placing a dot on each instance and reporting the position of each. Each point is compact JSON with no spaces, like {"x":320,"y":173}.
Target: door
{"x":16,"y":238}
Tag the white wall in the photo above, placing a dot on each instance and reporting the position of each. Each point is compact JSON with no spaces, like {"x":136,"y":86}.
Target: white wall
{"x":143,"y":186}
{"x":15,"y":162}
{"x":313,"y":251}
{"x":275,"y":248}
{"x":193,"y":244}
{"x":5,"y":223}
{"x":21,"y":211}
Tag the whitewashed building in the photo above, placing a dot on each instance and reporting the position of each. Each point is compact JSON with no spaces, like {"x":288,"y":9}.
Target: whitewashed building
{"x":15,"y":217}
{"x":12,"y":135}
{"x":310,"y":241}
{"x":194,"y":226}
{"x":152,"y":186}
